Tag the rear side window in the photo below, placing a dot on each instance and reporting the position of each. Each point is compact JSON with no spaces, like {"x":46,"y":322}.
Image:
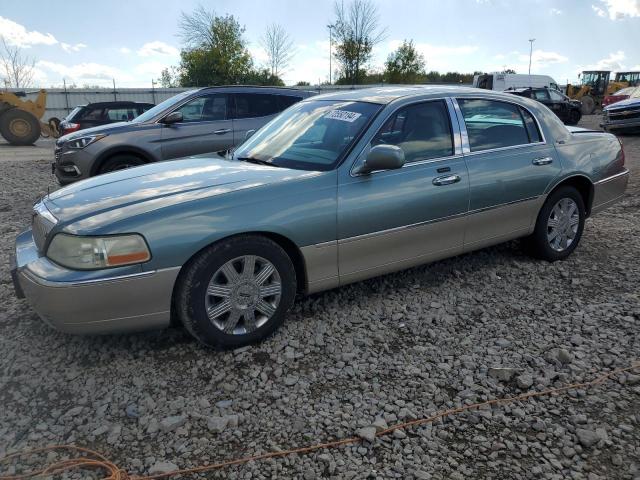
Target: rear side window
{"x":252,"y":105}
{"x":122,"y":114}
{"x":532,"y":127}
{"x":540,"y":95}
{"x":423,"y":131}
{"x":494,"y":124}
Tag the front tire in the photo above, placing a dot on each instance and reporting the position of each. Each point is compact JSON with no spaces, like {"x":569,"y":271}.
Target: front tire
{"x":559,"y":226}
{"x":574,"y":117}
{"x":236,"y":292}
{"x":19,"y":127}
{"x":120,"y":162}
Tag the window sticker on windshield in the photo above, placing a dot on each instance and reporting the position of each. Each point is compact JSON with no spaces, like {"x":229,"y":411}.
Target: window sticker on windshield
{"x":343,"y":115}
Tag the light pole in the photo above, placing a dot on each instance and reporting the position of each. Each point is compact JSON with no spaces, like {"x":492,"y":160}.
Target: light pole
{"x":531,"y":40}
{"x":330,"y":27}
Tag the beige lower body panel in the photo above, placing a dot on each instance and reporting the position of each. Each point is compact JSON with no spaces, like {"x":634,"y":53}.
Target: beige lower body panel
{"x":379,"y":253}
{"x":608,"y":191}
{"x":102,"y":307}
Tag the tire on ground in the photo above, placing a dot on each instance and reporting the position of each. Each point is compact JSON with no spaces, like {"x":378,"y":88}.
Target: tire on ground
{"x":588,"y":105}
{"x":19,"y":127}
{"x":120,"y":162}
{"x":574,"y":117}
{"x":190,"y":294}
{"x":537,"y":244}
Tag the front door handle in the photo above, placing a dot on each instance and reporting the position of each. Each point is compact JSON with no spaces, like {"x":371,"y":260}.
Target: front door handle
{"x":542,"y":161}
{"x":446,"y":180}
{"x":222,"y":131}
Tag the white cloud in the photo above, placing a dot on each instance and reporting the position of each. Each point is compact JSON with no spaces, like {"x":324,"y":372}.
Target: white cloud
{"x":612,"y":62}
{"x":618,"y":9}
{"x":72,"y":48}
{"x":542,"y":58}
{"x":555,"y":11}
{"x":124,"y":50}
{"x":258,"y":53}
{"x":18,"y":35}
{"x":84,"y":72}
{"x":157,"y":48}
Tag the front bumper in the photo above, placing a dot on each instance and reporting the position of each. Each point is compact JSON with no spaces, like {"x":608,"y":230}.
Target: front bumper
{"x":71,"y":165}
{"x":609,"y":190}
{"x":609,"y":123}
{"x":92,"y":305}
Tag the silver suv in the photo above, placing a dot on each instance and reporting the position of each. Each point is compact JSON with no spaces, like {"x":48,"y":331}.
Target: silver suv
{"x":205,"y":120}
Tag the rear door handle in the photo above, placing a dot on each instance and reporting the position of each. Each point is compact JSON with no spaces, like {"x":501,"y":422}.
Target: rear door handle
{"x":542,"y":161}
{"x":222,"y":131}
{"x":446,"y":180}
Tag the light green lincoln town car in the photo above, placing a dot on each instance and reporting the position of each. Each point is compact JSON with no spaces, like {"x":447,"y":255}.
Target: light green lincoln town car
{"x":338,"y":188}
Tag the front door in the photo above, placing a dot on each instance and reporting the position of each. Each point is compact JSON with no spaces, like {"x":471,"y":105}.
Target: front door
{"x":389,"y":220}
{"x":510,"y":167}
{"x":205,"y":128}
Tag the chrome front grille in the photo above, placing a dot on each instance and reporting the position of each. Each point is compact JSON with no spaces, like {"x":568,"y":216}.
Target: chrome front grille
{"x":42,"y":223}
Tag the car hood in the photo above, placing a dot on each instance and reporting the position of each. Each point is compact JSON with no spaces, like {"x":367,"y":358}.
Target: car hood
{"x":115,"y":196}
{"x":103,"y":129}
{"x":629,"y":102}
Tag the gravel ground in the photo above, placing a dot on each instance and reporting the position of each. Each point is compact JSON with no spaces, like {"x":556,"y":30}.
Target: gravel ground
{"x":483,"y":325}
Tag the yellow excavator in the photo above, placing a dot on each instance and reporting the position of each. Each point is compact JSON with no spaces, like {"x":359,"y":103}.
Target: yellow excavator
{"x":20,"y":119}
{"x":595,"y":85}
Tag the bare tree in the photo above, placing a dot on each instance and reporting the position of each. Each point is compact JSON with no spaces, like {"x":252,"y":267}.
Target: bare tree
{"x":356,"y":31}
{"x":17,"y":69}
{"x":279,"y":47}
{"x":196,"y":28}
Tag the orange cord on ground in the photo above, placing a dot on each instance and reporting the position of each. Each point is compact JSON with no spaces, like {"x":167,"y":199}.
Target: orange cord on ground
{"x":94,"y":460}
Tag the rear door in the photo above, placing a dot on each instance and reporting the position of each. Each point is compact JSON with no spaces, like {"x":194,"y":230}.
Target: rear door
{"x":253,"y":110}
{"x":510,"y":167}
{"x":206,"y":127}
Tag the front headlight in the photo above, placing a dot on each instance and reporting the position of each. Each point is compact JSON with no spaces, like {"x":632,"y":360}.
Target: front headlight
{"x":82,"y":142}
{"x":91,"y":253}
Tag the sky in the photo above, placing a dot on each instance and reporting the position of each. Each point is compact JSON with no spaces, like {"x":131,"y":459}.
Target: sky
{"x":92,"y":43}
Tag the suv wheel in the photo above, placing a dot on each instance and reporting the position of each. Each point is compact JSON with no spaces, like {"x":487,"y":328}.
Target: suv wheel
{"x":120,"y":162}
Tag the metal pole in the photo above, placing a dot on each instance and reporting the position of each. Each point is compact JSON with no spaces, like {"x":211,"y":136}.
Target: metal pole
{"x":153,"y":90}
{"x":330,"y":27}
{"x":531,"y":40}
{"x":115,"y":98}
{"x":66,"y":95}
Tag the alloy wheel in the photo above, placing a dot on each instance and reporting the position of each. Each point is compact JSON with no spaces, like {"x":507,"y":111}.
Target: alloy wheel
{"x":243,"y":295}
{"x":562,"y":225}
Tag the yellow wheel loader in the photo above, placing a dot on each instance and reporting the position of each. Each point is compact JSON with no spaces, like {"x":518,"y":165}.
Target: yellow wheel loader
{"x":595,"y":85}
{"x":20,"y":119}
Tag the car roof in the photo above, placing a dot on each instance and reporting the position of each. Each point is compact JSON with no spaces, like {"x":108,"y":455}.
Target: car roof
{"x":385,"y":95}
{"x":115,"y":102}
{"x":258,"y":88}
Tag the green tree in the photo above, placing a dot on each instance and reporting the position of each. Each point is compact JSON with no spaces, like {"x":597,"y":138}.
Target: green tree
{"x":303,"y":83}
{"x":169,"y":77}
{"x":356,"y":32}
{"x":216,"y":52}
{"x":405,"y":65}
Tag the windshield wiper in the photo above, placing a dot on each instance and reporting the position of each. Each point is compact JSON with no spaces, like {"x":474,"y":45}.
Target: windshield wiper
{"x":257,"y":161}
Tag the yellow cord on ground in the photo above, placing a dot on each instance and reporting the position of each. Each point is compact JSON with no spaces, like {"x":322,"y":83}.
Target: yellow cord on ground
{"x":89,"y":459}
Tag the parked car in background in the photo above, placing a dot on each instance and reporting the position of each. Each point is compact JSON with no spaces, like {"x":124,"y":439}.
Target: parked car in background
{"x":101,"y":113}
{"x":623,"y":94}
{"x":204,"y":120}
{"x":505,"y":81}
{"x":338,"y":188}
{"x":567,"y":110}
{"x":623,"y":115}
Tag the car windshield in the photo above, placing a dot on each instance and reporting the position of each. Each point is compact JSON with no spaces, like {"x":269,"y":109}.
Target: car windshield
{"x":152,"y":112}
{"x":312,"y":135}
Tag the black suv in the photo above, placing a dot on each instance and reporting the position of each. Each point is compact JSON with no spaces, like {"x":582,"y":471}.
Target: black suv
{"x":101,"y":113}
{"x":567,"y":110}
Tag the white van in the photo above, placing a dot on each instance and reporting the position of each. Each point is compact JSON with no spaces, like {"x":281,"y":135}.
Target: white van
{"x":506,"y":81}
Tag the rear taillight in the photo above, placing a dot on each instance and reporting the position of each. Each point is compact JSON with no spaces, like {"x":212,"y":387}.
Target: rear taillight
{"x":71,"y":127}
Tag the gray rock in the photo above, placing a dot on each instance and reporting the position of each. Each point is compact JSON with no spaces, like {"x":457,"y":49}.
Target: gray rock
{"x":524,"y":381}
{"x":587,"y":438}
{"x":564,"y":356}
{"x":169,"y":424}
{"x":218,"y":424}
{"x":502,"y":373}
{"x":367,"y":433}
{"x":162,"y":467}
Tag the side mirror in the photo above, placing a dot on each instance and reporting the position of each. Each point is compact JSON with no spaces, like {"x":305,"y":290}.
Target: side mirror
{"x":382,"y":157}
{"x":173,"y":117}
{"x":249,"y":133}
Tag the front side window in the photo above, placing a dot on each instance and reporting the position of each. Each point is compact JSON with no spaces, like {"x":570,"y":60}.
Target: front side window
{"x":205,"y":109}
{"x":556,"y":96}
{"x":494,"y":124}
{"x":311,"y":135}
{"x":540,"y":95}
{"x":423,"y":131}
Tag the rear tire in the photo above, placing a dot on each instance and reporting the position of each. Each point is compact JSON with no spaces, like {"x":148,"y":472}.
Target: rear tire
{"x":236,"y":292}
{"x":588,"y":105}
{"x":559,"y":226}
{"x":574,"y":117}
{"x":120,"y":162}
{"x":19,"y":127}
